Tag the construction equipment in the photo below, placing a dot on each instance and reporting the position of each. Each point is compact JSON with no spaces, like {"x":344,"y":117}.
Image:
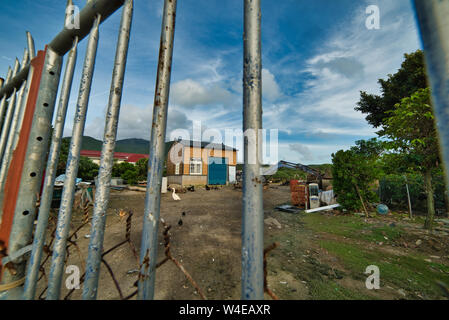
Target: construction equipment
{"x":313,"y":175}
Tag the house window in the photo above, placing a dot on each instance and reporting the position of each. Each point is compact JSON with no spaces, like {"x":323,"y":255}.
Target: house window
{"x":177,"y":167}
{"x":196,"y":166}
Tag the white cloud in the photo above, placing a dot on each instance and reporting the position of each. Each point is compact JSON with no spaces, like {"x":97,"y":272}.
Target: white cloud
{"x":270,"y":88}
{"x":302,"y":150}
{"x":191,"y":93}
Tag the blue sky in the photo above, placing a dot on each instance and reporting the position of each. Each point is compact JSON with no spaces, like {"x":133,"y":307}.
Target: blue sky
{"x":317,"y":56}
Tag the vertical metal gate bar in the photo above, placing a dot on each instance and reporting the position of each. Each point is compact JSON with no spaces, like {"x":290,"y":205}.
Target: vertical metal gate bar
{"x":30,"y":44}
{"x":252,"y":221}
{"x":50,"y":174}
{"x":148,"y":250}
{"x":65,"y":211}
{"x":15,"y":126}
{"x":28,"y":163}
{"x":9,"y":114}
{"x":3,"y":102}
{"x":107,"y":157}
{"x":434,"y":26}
{"x":6,"y":132}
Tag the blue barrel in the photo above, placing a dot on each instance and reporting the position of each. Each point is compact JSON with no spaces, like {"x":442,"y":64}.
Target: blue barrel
{"x":382,"y":209}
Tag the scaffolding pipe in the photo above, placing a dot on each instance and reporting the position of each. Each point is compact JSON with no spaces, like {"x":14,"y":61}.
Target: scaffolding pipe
{"x":107,"y":157}
{"x":252,"y":221}
{"x":63,"y":42}
{"x":433,"y":22}
{"x":30,"y":45}
{"x":149,"y":243}
{"x":32,"y":274}
{"x":9,"y":122}
{"x":15,"y":126}
{"x":31,"y":173}
{"x":9,"y":114}
{"x":68,"y":192}
{"x":3,"y":102}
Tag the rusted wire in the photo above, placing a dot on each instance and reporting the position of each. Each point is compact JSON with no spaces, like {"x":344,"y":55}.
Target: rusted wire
{"x":169,"y":256}
{"x":108,"y":267}
{"x":117,"y":286}
{"x":265,"y":272}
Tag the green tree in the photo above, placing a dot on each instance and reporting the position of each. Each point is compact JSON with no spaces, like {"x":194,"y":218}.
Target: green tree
{"x":142,"y":169}
{"x":119,"y":169}
{"x":354,"y":172}
{"x":410,"y":78}
{"x":130,"y":176}
{"x":87,"y":169}
{"x":411,"y":128}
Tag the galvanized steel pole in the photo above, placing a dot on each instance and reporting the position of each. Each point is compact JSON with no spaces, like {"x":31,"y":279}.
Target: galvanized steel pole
{"x":6,"y":132}
{"x":15,"y":126}
{"x":4,"y":98}
{"x":31,"y":177}
{"x":9,"y":114}
{"x":434,"y":26}
{"x":252,"y":220}
{"x":67,"y":198}
{"x":107,"y":157}
{"x":148,"y":249}
{"x":30,"y":43}
{"x":50,"y":175}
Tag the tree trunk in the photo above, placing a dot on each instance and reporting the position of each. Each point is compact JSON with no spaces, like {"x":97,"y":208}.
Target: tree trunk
{"x":361,"y":200}
{"x":430,"y":201}
{"x":446,"y":199}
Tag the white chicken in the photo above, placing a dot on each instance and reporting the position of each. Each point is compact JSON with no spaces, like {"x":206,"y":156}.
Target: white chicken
{"x":175,"y":196}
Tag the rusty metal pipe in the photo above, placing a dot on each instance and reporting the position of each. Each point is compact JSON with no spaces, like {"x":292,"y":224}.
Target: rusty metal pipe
{"x":149,"y":243}
{"x":68,"y":192}
{"x":252,"y":215}
{"x":107,"y":157}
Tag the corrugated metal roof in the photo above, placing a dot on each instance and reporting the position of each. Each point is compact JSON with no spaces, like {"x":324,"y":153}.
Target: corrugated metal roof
{"x":128,"y":157}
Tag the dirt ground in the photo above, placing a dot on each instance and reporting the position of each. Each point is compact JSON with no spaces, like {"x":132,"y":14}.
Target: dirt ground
{"x":312,"y":262}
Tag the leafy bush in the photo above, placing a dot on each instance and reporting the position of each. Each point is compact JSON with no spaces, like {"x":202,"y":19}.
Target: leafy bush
{"x":393,"y":192}
{"x":130,"y":176}
{"x":354,"y":171}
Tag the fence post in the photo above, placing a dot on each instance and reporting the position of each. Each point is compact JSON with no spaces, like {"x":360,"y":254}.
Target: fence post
{"x":9,"y":114}
{"x":16,"y":124}
{"x":434,"y":26}
{"x":107,"y":157}
{"x":68,"y":192}
{"x":3,"y":102}
{"x":148,"y":249}
{"x":50,"y":175}
{"x":252,"y":220}
{"x":25,"y":175}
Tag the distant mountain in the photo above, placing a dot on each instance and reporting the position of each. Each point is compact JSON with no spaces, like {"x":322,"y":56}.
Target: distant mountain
{"x":139,"y":146}
{"x":133,"y":146}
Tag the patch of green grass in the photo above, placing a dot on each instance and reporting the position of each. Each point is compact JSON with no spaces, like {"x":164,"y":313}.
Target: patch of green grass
{"x":331,"y":290}
{"x":410,"y":273}
{"x":352,"y":227}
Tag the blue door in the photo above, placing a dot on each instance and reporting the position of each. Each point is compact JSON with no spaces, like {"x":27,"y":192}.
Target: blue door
{"x":217,"y":171}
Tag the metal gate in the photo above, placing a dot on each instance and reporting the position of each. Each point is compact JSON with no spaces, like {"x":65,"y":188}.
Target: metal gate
{"x":27,"y":105}
{"x":217,"y":171}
